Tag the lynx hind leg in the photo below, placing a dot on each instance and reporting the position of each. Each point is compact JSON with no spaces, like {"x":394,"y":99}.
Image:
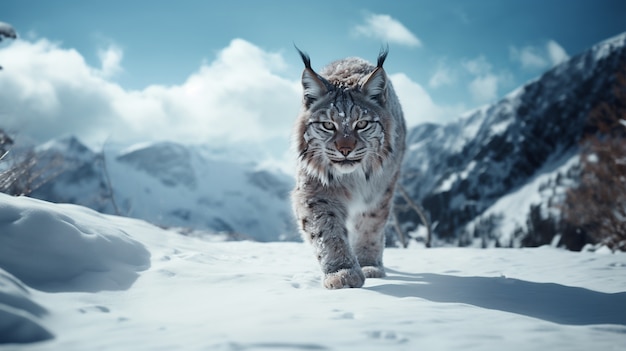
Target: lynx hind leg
{"x":374,"y":271}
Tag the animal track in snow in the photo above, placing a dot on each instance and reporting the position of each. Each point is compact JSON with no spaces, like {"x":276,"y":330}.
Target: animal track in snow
{"x":166,"y":273}
{"x":387,"y":336}
{"x":94,"y":308}
{"x":342,"y":314}
{"x":305,"y":281}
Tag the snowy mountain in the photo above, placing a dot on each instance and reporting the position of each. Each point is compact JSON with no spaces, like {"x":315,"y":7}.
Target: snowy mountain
{"x":74,"y":279}
{"x":171,"y":185}
{"x":497,"y":175}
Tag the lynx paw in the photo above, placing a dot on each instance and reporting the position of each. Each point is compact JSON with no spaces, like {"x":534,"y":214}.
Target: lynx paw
{"x":344,"y":278}
{"x":373,"y":271}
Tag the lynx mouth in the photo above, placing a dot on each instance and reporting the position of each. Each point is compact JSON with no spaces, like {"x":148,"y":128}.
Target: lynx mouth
{"x":346,"y":162}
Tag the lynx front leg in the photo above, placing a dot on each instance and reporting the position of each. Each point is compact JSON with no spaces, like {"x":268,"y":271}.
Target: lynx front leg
{"x":323,"y":225}
{"x":368,"y":241}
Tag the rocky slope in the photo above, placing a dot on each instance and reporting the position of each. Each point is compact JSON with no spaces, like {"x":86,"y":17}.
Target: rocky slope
{"x":496,"y":175}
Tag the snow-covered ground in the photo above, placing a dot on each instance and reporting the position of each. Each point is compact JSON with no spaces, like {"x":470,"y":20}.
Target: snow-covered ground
{"x":79,"y":280}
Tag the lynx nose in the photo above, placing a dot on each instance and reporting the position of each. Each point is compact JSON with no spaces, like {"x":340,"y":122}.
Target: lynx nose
{"x":345,"y":145}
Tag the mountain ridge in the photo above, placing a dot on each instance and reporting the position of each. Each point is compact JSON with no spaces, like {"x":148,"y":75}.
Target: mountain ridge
{"x":172,"y":185}
{"x":459,"y":170}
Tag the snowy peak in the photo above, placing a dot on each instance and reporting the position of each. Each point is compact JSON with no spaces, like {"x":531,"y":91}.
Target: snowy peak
{"x":607,"y":47}
{"x":69,"y":146}
{"x":168,"y":162}
{"x":274,"y":184}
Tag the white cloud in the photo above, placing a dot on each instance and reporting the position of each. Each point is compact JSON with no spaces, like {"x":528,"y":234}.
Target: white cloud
{"x":417,"y":105}
{"x":237,"y":98}
{"x":443,"y":76}
{"x":484,"y":88}
{"x":538,"y":58}
{"x":478,"y":66}
{"x":556,"y":53}
{"x":386,"y":28}
{"x":529,"y":57}
{"x":484,"y":85}
{"x":111,"y":60}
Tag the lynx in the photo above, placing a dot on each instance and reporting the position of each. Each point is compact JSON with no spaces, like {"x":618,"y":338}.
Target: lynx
{"x":350,"y":140}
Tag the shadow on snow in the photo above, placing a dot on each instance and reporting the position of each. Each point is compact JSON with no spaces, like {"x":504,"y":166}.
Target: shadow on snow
{"x":548,"y":301}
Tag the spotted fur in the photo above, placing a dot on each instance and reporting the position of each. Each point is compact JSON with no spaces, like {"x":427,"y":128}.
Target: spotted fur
{"x":350,"y":140}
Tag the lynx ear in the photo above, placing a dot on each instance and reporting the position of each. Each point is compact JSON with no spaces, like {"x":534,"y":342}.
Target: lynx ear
{"x":314,"y":86}
{"x":375,"y":87}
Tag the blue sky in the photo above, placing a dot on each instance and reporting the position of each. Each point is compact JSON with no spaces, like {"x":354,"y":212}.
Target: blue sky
{"x":445,"y":57}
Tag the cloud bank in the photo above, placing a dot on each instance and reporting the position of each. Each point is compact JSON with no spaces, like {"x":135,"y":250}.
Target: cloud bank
{"x":240,"y":98}
{"x":387,"y":29}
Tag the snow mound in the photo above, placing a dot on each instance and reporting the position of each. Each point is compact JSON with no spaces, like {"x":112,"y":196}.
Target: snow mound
{"x":19,"y":314}
{"x":51,"y":251}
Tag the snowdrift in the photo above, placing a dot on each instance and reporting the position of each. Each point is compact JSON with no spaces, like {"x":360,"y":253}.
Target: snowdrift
{"x":49,"y":250}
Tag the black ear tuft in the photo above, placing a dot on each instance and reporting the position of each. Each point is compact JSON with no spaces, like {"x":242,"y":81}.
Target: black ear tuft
{"x":382,"y":55}
{"x":375,"y":87}
{"x":305,"y":58}
{"x":315,"y":86}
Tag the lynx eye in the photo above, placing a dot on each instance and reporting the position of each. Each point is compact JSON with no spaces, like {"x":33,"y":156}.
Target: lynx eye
{"x":328,"y":125}
{"x":362,"y":124}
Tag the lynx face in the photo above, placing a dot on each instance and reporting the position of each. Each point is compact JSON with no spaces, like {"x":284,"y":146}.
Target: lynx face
{"x":344,"y":126}
{"x":345,"y":136}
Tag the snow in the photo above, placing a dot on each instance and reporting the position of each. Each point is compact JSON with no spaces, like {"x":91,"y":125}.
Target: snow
{"x":501,"y":127}
{"x":81,"y":255}
{"x":82,"y":280}
{"x":514,"y":207}
{"x":447,"y":184}
{"x":604,"y":48}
